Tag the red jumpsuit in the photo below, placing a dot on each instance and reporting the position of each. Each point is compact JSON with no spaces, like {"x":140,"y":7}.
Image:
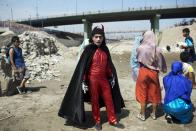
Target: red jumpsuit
{"x":99,"y":86}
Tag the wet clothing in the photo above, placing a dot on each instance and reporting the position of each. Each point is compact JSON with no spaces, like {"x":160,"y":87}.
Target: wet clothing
{"x":92,"y":64}
{"x":178,"y":88}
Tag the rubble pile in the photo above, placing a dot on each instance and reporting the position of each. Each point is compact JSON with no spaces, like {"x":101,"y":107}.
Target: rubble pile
{"x":41,"y":55}
{"x":37,"y":44}
{"x":44,"y":68}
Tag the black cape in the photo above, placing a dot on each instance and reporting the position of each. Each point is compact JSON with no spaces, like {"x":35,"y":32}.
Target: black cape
{"x":72,"y":107}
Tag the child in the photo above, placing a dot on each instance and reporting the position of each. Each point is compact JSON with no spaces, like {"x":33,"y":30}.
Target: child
{"x":189,"y":45}
{"x":188,"y":70}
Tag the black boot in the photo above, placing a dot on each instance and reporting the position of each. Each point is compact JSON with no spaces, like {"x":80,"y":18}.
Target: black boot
{"x":118,"y":125}
{"x":68,"y":122}
{"x":98,"y":126}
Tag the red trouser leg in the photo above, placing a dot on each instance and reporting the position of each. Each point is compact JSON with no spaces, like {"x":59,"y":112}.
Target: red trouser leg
{"x":107,"y":96}
{"x":94,"y":90}
{"x":101,"y":87}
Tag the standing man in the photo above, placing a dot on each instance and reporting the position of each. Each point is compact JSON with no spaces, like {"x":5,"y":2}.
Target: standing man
{"x":18,"y":64}
{"x":189,"y":45}
{"x":94,"y":80}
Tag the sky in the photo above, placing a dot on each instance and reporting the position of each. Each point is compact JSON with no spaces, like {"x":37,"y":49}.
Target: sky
{"x":25,"y":9}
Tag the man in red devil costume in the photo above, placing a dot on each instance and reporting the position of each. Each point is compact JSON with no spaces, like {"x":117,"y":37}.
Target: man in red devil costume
{"x":94,"y":80}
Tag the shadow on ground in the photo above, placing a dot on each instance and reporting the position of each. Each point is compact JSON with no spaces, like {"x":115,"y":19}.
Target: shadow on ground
{"x":89,"y":122}
{"x":35,"y":89}
{"x":159,"y":113}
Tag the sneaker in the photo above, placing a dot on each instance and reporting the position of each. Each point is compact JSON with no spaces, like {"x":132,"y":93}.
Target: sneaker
{"x":98,"y":126}
{"x":141,"y":117}
{"x":153,"y":116}
{"x":118,"y":125}
{"x":168,"y":118}
{"x":28,"y":91}
{"x":19,"y":89}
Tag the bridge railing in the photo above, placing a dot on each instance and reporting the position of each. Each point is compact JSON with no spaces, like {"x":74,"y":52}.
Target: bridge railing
{"x":110,"y":11}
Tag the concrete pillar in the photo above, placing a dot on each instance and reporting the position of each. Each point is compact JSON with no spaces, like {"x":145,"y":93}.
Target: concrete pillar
{"x":87,"y":28}
{"x":155,"y":23}
{"x":42,"y":23}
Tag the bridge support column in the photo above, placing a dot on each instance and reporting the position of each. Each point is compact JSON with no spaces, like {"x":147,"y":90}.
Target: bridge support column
{"x":87,"y":28}
{"x":155,"y":23}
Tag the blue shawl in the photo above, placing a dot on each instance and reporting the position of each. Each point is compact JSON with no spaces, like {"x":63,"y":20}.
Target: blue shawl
{"x":176,"y":85}
{"x":133,"y":59}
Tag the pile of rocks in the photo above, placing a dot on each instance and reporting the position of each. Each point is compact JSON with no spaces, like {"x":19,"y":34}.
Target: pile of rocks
{"x":44,"y":68}
{"x":37,"y":43}
{"x":41,"y":55}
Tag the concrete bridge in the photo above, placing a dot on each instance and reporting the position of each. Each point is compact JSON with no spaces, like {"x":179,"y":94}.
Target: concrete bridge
{"x":147,"y":13}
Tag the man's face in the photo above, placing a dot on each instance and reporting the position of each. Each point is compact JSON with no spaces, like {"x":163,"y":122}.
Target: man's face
{"x":97,"y":39}
{"x":17,"y":43}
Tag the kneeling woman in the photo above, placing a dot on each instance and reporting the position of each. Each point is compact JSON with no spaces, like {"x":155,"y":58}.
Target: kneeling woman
{"x":177,"y":102}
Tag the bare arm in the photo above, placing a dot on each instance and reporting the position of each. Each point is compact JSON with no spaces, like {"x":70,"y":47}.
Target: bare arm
{"x":11,"y":54}
{"x":162,"y":63}
{"x":191,"y":76}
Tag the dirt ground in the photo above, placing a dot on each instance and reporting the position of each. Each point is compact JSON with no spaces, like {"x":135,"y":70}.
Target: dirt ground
{"x":38,"y":111}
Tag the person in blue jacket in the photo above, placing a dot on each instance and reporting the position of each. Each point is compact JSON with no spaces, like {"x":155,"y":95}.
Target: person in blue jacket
{"x":189,"y":45}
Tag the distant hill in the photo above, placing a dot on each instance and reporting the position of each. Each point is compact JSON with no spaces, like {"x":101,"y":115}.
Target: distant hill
{"x":20,"y":28}
{"x":66,"y":38}
{"x":17,"y":28}
{"x":171,"y":36}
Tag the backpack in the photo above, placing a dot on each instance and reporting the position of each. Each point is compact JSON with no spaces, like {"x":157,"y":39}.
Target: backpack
{"x":7,"y":58}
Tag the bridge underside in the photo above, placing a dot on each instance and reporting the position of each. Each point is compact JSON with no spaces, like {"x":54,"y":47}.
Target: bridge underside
{"x":87,"y":19}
